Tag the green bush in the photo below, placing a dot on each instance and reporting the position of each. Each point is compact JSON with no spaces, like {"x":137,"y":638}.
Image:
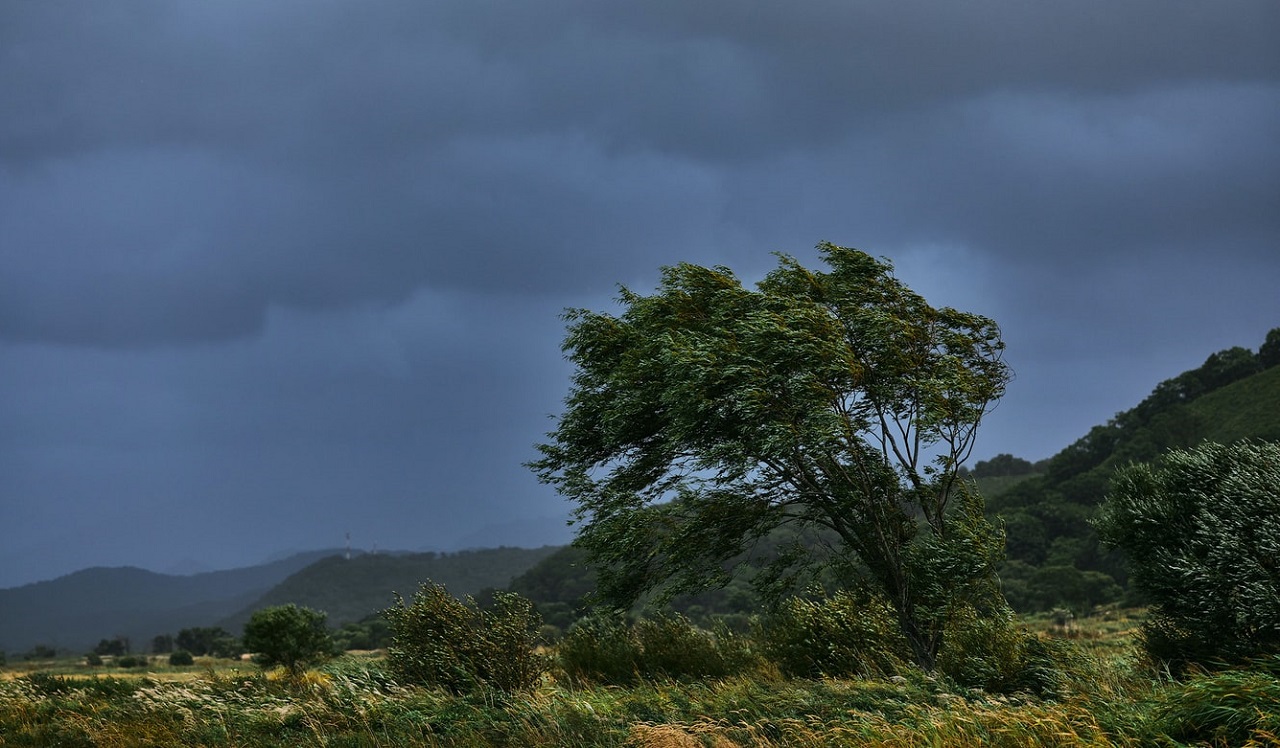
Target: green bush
{"x":439,"y":640}
{"x":93,"y":659}
{"x":129,"y":661}
{"x":840,"y":636}
{"x":992,"y":653}
{"x":181,"y":658}
{"x":671,"y":646}
{"x":288,"y":635}
{"x":604,"y":649}
{"x":1201,"y":530}
{"x":600,"y":649}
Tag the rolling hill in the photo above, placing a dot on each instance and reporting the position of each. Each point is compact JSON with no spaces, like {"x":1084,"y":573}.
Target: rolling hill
{"x":348,"y":590}
{"x":76,"y":611}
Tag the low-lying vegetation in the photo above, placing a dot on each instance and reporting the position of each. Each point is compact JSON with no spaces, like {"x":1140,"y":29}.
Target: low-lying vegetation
{"x":1106,"y":695}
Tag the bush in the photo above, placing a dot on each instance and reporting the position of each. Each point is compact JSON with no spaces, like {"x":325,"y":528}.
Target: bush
{"x":442,"y":641}
{"x":287,"y":635}
{"x":93,"y":659}
{"x":601,"y":649}
{"x":840,"y":636}
{"x":181,"y":658}
{"x":129,"y":661}
{"x":604,"y":649}
{"x":990,"y":652}
{"x":671,"y":646}
{"x":1201,"y":530}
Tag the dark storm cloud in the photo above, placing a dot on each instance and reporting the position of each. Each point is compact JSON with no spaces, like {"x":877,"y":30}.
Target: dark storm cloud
{"x":281,"y":270}
{"x":192,"y":163}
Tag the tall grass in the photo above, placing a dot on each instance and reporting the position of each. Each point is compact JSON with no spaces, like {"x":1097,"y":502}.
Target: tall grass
{"x":1109,"y":697}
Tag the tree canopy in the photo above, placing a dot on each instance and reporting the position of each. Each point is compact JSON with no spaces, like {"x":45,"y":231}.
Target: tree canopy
{"x":288,"y":635}
{"x":708,"y":414}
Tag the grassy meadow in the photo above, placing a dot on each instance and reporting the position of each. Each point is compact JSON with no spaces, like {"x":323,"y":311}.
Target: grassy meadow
{"x":1108,"y":697}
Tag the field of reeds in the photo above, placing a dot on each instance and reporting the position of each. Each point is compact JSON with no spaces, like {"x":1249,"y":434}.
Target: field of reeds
{"x":1108,"y":697}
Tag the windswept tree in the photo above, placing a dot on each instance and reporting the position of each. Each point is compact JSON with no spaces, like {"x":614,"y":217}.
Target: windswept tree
{"x":707,"y":415}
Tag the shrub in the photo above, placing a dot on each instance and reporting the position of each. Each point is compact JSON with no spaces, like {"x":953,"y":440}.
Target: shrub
{"x":602,"y":649}
{"x":1201,"y":530}
{"x":287,"y":635}
{"x":671,"y":646}
{"x":93,"y":659}
{"x":439,"y":640}
{"x":990,"y":652}
{"x":129,"y":661}
{"x":841,"y":635}
{"x":181,"y":658}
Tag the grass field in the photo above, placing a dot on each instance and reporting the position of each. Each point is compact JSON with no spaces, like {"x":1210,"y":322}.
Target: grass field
{"x":1109,"y":697}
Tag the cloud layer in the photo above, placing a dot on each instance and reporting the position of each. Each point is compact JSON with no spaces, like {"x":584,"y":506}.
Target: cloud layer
{"x":302,"y":261}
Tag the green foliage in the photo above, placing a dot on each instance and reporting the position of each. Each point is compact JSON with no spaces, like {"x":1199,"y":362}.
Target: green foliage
{"x":1232,"y":396}
{"x":707,"y":415}
{"x":1269,"y":351}
{"x":1201,"y":529}
{"x":129,"y":661}
{"x":112,"y":647}
{"x":350,"y":590}
{"x":352,"y":702}
{"x":1233,"y":707}
{"x":372,"y":632}
{"x":1002,"y":465}
{"x":439,"y":640}
{"x":993,"y":653}
{"x":289,"y":636}
{"x":604,"y":649}
{"x":93,"y":659}
{"x":181,"y":658}
{"x":838,"y":636}
{"x":1029,"y":588}
{"x":162,"y":644}
{"x":600,"y":648}
{"x":208,"y":640}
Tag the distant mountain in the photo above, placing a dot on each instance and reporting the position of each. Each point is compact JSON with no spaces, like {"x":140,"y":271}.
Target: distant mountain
{"x":76,"y":611}
{"x":348,"y":590}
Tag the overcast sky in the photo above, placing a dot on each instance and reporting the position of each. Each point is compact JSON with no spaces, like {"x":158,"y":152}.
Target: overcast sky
{"x":272,"y":272}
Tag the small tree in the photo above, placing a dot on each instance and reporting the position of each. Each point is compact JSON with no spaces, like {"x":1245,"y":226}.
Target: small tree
{"x":1201,"y":530}
{"x":287,"y":635}
{"x":838,"y":403}
{"x":1269,"y":351}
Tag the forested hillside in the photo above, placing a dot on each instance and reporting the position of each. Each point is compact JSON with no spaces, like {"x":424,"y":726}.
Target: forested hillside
{"x":1055,"y":559}
{"x":76,"y":610}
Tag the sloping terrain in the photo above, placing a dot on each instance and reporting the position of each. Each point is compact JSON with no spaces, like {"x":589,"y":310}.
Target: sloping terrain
{"x":76,"y":611}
